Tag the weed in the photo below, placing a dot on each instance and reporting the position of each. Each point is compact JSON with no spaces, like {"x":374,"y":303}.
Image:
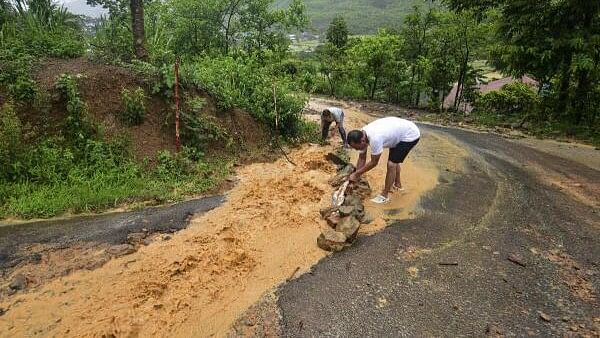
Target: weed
{"x":134,"y":110}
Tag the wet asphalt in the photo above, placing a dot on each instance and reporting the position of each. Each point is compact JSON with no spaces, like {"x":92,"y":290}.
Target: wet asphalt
{"x":447,"y":272}
{"x":111,"y":228}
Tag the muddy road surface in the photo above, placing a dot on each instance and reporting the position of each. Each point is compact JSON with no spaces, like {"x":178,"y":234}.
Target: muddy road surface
{"x":510,"y":247}
{"x":491,"y":237}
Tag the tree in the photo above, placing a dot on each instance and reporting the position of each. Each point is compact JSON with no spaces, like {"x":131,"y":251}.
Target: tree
{"x":416,"y":33}
{"x":137,"y":27}
{"x":119,"y":10}
{"x":373,"y":57}
{"x":337,"y":32}
{"x":558,"y":42}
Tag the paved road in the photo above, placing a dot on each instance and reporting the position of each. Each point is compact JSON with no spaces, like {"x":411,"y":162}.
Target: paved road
{"x":109,"y":228}
{"x":392,"y":283}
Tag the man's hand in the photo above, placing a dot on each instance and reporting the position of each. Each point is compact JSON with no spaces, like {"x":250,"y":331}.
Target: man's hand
{"x":353,"y":177}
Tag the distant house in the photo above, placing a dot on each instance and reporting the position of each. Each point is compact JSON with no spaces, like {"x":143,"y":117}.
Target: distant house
{"x":484,"y":88}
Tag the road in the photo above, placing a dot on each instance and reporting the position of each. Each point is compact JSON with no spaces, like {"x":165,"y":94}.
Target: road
{"x":511,"y":247}
{"x":504,"y":241}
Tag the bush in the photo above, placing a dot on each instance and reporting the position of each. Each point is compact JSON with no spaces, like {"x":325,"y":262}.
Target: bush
{"x":244,"y":83}
{"x":134,"y":110}
{"x":10,"y":139}
{"x":199,"y":130}
{"x":513,"y":99}
{"x":78,"y":126}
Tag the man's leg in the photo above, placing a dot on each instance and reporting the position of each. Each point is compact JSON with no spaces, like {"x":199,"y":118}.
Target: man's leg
{"x":325,"y":130}
{"x":397,"y":182}
{"x":342,"y":134}
{"x":390,"y":177}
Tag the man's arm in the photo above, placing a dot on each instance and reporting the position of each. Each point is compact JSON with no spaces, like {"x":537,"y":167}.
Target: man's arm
{"x":362,"y":159}
{"x":366,"y":167}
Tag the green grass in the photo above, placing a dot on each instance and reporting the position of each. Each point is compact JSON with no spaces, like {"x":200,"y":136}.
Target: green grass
{"x":106,"y":190}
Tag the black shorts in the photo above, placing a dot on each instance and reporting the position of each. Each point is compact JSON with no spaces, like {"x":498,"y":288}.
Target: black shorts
{"x":401,"y":150}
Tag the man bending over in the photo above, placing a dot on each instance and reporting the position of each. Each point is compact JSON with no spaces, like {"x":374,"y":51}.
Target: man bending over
{"x":399,"y":135}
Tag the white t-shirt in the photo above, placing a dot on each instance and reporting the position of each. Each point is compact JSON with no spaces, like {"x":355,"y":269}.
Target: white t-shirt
{"x":336,"y":113}
{"x":388,"y":132}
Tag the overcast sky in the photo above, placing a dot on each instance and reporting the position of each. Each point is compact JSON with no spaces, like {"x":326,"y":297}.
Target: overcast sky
{"x":82,"y":8}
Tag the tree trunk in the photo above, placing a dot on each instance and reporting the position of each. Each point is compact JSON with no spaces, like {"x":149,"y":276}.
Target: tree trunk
{"x":374,"y":87}
{"x":137,"y":27}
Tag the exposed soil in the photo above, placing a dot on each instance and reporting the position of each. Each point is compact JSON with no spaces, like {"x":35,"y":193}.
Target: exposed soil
{"x":101,"y":85}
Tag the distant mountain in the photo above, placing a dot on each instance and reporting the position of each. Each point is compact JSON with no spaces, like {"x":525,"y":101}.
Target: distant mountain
{"x":80,"y":7}
{"x":362,"y":16}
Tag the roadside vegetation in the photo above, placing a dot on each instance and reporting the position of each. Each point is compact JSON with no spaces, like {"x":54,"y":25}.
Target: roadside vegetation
{"x":238,"y":54}
{"x":232,"y":50}
{"x":467,"y":43}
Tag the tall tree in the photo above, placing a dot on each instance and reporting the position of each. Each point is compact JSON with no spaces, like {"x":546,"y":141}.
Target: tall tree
{"x":137,"y":27}
{"x":119,"y":9}
{"x":337,"y":32}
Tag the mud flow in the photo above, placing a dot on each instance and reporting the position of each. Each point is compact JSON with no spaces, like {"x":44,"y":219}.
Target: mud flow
{"x":200,"y":280}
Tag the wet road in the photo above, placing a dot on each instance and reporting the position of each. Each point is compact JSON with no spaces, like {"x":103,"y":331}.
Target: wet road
{"x":108,"y":228}
{"x":509,"y":246}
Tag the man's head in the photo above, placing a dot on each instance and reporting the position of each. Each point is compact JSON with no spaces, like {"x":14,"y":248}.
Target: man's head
{"x":357,"y":139}
{"x":327,"y":115}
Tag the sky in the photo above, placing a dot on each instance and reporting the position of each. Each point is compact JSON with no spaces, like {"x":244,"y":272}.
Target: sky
{"x":82,"y":8}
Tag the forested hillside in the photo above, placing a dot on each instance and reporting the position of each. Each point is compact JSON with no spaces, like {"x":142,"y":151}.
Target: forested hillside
{"x":363,"y":16}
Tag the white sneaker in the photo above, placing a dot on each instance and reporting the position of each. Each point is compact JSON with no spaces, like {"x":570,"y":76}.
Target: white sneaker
{"x":380,"y":199}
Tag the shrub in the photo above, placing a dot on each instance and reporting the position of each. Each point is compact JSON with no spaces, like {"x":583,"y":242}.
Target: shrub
{"x":199,"y":130}
{"x":512,"y":100}
{"x":10,"y":139}
{"x":277,"y":102}
{"x":134,"y":110}
{"x":78,"y":127}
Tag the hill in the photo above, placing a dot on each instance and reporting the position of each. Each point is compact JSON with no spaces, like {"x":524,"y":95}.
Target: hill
{"x":362,"y":16}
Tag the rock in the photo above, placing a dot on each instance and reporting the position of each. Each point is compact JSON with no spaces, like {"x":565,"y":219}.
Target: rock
{"x":355,"y":201}
{"x":336,"y":159}
{"x":349,"y":227}
{"x":166,"y":237}
{"x":346,"y":210}
{"x":19,"y":282}
{"x":147,"y":241}
{"x":2,"y":311}
{"x":333,"y":219}
{"x":337,"y":180}
{"x":347,"y":170}
{"x":325,"y":212}
{"x":135,"y":238}
{"x":545,"y":317}
{"x":517,"y":259}
{"x":331,"y":240}
{"x":120,"y":250}
{"x":365,"y":218}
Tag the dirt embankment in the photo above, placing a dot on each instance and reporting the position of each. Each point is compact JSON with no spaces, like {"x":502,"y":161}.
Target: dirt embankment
{"x":198,"y":282}
{"x":101,"y":86}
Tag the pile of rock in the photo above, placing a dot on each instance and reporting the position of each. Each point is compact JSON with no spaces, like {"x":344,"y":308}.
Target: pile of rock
{"x":347,"y":212}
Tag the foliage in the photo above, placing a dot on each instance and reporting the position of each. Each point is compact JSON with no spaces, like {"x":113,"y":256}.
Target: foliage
{"x":134,"y":110}
{"x":337,"y":32}
{"x":373,"y":57}
{"x":78,"y":127}
{"x":199,"y":130}
{"x":248,"y":85}
{"x":513,"y":99}
{"x":10,"y":138}
{"x":362,"y":16}
{"x":29,"y":30}
{"x":555,"y":41}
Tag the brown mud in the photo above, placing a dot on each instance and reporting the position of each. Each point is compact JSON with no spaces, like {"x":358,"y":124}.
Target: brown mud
{"x":198,"y":282}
